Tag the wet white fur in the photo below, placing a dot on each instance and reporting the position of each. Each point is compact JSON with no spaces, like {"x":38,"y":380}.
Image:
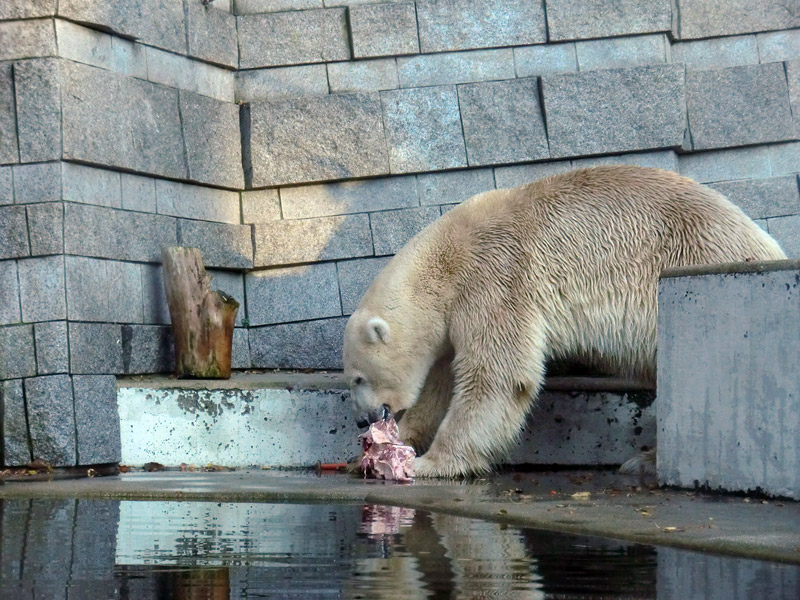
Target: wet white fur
{"x":566,"y":267}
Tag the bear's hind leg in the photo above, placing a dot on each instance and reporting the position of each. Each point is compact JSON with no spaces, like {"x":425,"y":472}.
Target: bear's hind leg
{"x":495,"y":382}
{"x":420,"y":422}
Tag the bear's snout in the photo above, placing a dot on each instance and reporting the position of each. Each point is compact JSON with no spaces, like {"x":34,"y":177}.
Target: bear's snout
{"x":381,"y":413}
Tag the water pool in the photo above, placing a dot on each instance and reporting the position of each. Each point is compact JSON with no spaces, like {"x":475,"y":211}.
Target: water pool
{"x":60,"y":549}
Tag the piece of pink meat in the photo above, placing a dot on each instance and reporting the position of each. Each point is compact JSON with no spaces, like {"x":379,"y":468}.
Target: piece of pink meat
{"x":385,"y":456}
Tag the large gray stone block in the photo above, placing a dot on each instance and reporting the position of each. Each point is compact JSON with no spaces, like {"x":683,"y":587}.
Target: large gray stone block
{"x":717,"y":53}
{"x":793,"y":81}
{"x":509,"y":177}
{"x":27,"y":9}
{"x":713,"y":18}
{"x":123,"y":235}
{"x":263,"y":84}
{"x":456,"y":67}
{"x":579,"y":19}
{"x":615,"y":111}
{"x":9,"y":293}
{"x":465,"y":24}
{"x":6,"y":186}
{"x":308,"y":344}
{"x":51,"y":419}
{"x":147,"y":349}
{"x":13,"y":232}
{"x":247,"y":7}
{"x":724,"y":165}
{"x":52,"y":347}
{"x":92,"y":47}
{"x":177,"y":71}
{"x":97,"y":419}
{"x":38,"y":89}
{"x":240,"y":358}
{"x":154,"y":297}
{"x":157,"y":22}
{"x":739,"y":106}
{"x":784,"y":159}
{"x":786,"y":230}
{"x":289,"y":38}
{"x":727,"y":391}
{"x":261,"y":206}
{"x":212,"y":34}
{"x":212,"y":137}
{"x":363,"y":75}
{"x":27,"y":39}
{"x":324,"y":238}
{"x":503,"y":122}
{"x":110,"y":119}
{"x":41,"y":287}
{"x":196,"y":202}
{"x":313,"y":290}
{"x":15,"y":428}
{"x":453,"y":187}
{"x":762,"y":198}
{"x":319,"y":138}
{"x":622,"y":52}
{"x":91,"y":186}
{"x":391,"y":229}
{"x":545,"y":59}
{"x":18,"y":357}
{"x":95,"y":348}
{"x":348,"y":197}
{"x":39,"y":182}
{"x":9,"y":149}
{"x":776,"y":46}
{"x":423,"y":129}
{"x":355,"y":277}
{"x":222,"y":244}
{"x":383,"y":29}
{"x":138,"y":193}
{"x":46,"y":228}
{"x":663,"y":159}
{"x":103,"y":290}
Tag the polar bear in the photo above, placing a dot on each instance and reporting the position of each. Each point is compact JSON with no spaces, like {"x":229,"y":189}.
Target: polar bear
{"x":456,"y":329}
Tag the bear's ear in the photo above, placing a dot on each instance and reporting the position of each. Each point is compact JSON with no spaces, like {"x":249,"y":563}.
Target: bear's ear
{"x":377,"y":330}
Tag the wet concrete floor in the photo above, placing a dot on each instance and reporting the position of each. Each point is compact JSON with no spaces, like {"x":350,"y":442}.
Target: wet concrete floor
{"x":602,"y":503}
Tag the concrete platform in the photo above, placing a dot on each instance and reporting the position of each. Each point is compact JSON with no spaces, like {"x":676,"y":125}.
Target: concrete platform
{"x":298,"y":419}
{"x":598,"y":502}
{"x":728,"y":384}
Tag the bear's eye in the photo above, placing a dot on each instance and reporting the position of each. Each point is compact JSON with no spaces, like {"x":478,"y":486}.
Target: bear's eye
{"x":358,"y":380}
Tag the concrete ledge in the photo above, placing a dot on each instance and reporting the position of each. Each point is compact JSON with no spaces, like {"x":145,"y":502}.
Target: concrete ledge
{"x":733,"y":268}
{"x":283,"y":419}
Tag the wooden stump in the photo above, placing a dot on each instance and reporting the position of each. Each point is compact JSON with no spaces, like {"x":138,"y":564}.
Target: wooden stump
{"x":202,"y":319}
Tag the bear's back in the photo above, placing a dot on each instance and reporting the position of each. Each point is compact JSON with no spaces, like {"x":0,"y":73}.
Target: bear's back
{"x":613,"y":215}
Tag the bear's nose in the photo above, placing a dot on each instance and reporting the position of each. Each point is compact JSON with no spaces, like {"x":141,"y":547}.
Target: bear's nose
{"x":381,"y":413}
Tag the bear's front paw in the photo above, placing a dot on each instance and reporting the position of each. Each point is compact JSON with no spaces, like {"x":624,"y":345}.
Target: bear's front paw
{"x":426,"y":466}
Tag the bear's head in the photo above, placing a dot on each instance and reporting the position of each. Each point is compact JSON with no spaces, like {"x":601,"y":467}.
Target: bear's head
{"x":383,"y":365}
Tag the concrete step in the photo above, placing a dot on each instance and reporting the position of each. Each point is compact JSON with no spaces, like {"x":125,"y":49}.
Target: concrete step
{"x":281,"y":419}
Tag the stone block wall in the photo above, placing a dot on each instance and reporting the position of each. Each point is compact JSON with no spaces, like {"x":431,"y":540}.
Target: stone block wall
{"x":300,"y":143}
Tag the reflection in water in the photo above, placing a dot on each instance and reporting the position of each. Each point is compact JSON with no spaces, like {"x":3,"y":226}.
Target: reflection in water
{"x":79,"y":549}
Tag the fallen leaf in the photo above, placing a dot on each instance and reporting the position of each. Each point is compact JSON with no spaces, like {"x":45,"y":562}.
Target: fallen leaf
{"x":581,"y":495}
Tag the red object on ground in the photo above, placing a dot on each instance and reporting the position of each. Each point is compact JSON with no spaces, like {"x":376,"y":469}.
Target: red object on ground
{"x":385,"y":455}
